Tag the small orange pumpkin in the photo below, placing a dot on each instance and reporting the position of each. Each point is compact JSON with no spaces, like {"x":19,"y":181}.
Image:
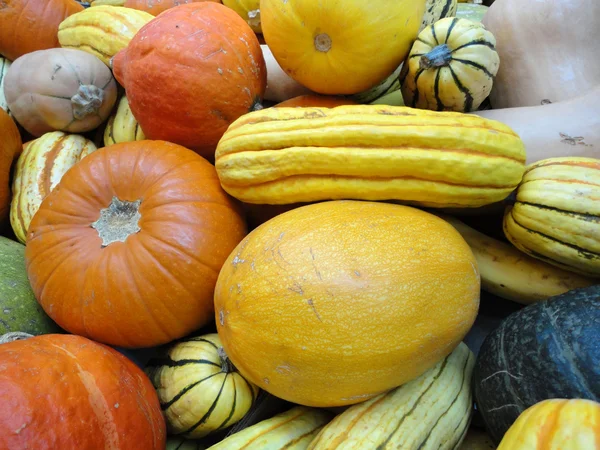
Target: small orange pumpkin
{"x":10,"y":148}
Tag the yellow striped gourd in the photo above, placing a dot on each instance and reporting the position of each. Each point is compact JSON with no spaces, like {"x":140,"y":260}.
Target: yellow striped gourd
{"x":102,"y":30}
{"x":199,"y":389}
{"x":430,"y":412}
{"x":4,"y":66}
{"x":556,"y":215}
{"x":39,"y":168}
{"x":436,"y":10}
{"x":122,"y":126}
{"x":291,"y":430}
{"x":369,"y":152}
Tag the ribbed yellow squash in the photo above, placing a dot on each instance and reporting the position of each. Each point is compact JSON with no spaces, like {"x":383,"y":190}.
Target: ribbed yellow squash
{"x":249,"y":10}
{"x":102,"y":30}
{"x":430,"y":412}
{"x":334,"y":47}
{"x":556,"y":216}
{"x":4,"y":65}
{"x":122,"y":126}
{"x":39,"y":168}
{"x":369,"y":152}
{"x":556,"y":424}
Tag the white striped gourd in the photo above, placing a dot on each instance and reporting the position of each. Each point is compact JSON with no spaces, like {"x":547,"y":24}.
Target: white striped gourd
{"x":102,"y":30}
{"x":39,"y":168}
{"x":430,"y":412}
{"x":451,"y":66}
{"x":369,"y":152}
{"x":436,"y":10}
{"x":291,"y":430}
{"x":556,"y":215}
{"x":4,"y":65}
{"x":199,"y":389}
{"x":122,"y":126}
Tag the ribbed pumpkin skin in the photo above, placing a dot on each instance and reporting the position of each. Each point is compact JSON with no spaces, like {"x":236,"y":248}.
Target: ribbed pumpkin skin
{"x":89,"y":397}
{"x":556,"y":424}
{"x":10,"y":147}
{"x":556,"y":216}
{"x":291,"y":430}
{"x":199,"y":390}
{"x":102,"y":31}
{"x":122,"y":126}
{"x":169,"y":65}
{"x":334,"y":43}
{"x":39,"y":169}
{"x":436,"y":10}
{"x":30,"y":25}
{"x":291,"y":296}
{"x":155,"y":7}
{"x":4,"y":66}
{"x":431,"y":412}
{"x":147,"y":287}
{"x":451,"y":66}
{"x":369,"y":152}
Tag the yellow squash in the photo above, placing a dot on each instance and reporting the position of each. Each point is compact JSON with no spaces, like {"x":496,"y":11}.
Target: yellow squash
{"x":249,"y":10}
{"x":122,"y":126}
{"x":436,"y":10}
{"x":556,"y":215}
{"x":369,"y":152}
{"x":39,"y":168}
{"x":334,"y":47}
{"x":102,"y":30}
{"x":4,"y":66}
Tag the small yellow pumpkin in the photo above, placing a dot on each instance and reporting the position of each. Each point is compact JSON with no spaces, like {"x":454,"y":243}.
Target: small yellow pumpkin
{"x":122,"y":126}
{"x":249,"y":10}
{"x":199,"y":388}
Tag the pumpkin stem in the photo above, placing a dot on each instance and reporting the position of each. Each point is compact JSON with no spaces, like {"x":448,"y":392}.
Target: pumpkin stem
{"x":118,"y":221}
{"x":87,"y":101}
{"x":226,"y":364}
{"x":322,"y":42}
{"x":438,"y":57}
{"x":14,"y":336}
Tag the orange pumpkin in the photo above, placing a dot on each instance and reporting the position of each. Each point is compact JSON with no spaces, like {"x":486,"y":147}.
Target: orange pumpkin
{"x":64,"y":391}
{"x":155,"y":7}
{"x":127,"y":248}
{"x":10,"y":148}
{"x":310,"y":100}
{"x":190,"y":73}
{"x":30,"y":25}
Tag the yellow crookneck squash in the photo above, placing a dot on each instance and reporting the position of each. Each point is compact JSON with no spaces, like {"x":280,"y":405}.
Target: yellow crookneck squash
{"x":340,"y":47}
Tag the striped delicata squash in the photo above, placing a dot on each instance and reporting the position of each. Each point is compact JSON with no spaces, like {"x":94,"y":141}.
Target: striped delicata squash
{"x":122,"y":126}
{"x":431,"y":412}
{"x":556,"y":215}
{"x":436,"y":10}
{"x":450,"y":67}
{"x":199,"y":389}
{"x":369,"y":152}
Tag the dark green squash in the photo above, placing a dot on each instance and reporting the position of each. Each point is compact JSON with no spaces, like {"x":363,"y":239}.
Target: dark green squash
{"x":549,"y":349}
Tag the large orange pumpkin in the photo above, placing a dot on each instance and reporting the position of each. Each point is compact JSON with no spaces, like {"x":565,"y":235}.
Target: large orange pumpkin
{"x":67,"y":392}
{"x":333,"y":303}
{"x":10,"y":147}
{"x":30,"y":25}
{"x":190,"y":73}
{"x":155,"y":7}
{"x":127,"y":248}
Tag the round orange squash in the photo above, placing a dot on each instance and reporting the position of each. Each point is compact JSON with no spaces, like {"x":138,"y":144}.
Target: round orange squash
{"x":67,"y":392}
{"x":333,"y":303}
{"x":127,"y":248}
{"x":190,"y":73}
{"x":155,"y":7}
{"x":10,"y":148}
{"x":313,"y":100}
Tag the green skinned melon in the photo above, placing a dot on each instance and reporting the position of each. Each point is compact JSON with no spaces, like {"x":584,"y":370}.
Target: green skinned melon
{"x":19,"y":310}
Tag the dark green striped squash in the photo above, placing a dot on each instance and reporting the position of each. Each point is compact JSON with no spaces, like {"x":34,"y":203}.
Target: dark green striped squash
{"x":432,"y":411}
{"x":199,"y":389}
{"x":549,"y":349}
{"x":436,"y":10}
{"x":451,"y":66}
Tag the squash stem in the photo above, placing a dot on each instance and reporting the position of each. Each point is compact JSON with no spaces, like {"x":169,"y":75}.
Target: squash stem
{"x":438,"y":57}
{"x":226,"y":364}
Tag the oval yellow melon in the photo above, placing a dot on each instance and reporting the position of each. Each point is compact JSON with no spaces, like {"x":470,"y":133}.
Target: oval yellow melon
{"x":333,"y":303}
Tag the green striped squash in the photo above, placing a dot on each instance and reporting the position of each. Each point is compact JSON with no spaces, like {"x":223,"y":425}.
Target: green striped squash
{"x":291,"y":430}
{"x":471,"y":11}
{"x":451,"y":66}
{"x":436,"y":10}
{"x":199,"y":389}
{"x":4,"y":65}
{"x":430,"y":412}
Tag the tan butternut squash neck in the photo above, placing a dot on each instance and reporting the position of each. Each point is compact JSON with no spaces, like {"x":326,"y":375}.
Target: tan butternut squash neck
{"x":87,"y":101}
{"x":118,"y":221}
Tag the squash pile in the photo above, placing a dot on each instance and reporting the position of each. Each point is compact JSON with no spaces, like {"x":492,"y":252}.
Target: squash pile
{"x":268,"y":225}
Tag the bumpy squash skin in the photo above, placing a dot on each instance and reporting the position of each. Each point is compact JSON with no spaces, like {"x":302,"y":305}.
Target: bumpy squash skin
{"x":30,"y":25}
{"x":291,"y":296}
{"x":556,"y":423}
{"x":546,"y":350}
{"x":10,"y":148}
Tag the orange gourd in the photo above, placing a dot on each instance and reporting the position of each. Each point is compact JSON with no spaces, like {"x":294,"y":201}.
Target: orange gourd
{"x":313,"y":100}
{"x":155,"y":7}
{"x":10,"y":148}
{"x":127,"y":248}
{"x":190,"y":73}
{"x":67,"y":392}
{"x":30,"y":25}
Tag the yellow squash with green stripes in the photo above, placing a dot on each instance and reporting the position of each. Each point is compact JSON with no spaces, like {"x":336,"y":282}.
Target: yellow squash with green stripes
{"x":102,"y":30}
{"x":430,"y":412}
{"x":122,"y":126}
{"x":369,"y":152}
{"x":556,"y":215}
{"x":291,"y":430}
{"x":436,"y":10}
{"x":199,"y":389}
